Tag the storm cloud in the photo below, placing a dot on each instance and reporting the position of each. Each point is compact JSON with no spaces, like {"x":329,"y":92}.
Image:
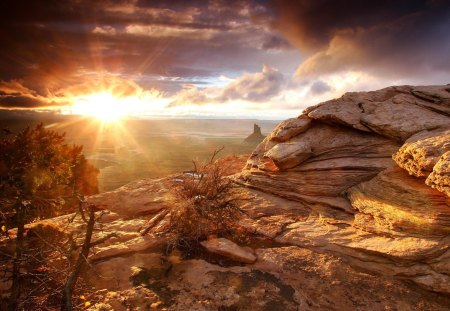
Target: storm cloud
{"x":53,"y":44}
{"x":386,"y":38}
{"x":211,"y":52}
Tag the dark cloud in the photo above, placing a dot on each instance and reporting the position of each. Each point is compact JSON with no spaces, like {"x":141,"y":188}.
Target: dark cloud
{"x":53,"y":44}
{"x":319,"y":87}
{"x":14,"y":94}
{"x":391,"y":38}
{"x":274,"y":42}
{"x":21,"y":101}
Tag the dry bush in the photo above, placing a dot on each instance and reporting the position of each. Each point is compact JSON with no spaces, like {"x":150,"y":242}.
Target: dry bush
{"x":204,"y":204}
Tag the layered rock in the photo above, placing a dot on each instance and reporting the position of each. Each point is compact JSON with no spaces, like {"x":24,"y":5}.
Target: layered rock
{"x":366,"y":165}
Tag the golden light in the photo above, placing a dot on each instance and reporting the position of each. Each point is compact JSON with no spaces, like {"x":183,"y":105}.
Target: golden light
{"x":103,"y":106}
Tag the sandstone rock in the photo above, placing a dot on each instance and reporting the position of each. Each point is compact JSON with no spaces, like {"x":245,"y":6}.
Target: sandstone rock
{"x":290,"y":128}
{"x":422,"y":151}
{"x":392,"y":112}
{"x":146,"y":196}
{"x":115,"y":274}
{"x":440,"y":177}
{"x":318,"y":172}
{"x":229,"y":249}
{"x":402,"y":204}
{"x":289,"y":155}
{"x":400,"y":121}
{"x":436,"y":98}
{"x":362,"y":205}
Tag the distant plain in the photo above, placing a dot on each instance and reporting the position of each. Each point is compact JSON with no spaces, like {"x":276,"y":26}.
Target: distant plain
{"x":135,"y":149}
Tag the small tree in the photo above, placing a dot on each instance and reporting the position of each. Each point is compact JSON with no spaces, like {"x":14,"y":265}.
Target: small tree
{"x":40,"y":176}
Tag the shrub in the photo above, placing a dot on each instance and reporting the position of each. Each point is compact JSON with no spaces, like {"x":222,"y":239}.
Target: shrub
{"x":204,"y":204}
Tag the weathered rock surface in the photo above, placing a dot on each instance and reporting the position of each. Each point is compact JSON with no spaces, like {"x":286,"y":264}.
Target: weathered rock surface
{"x":229,"y":249}
{"x":290,"y":128}
{"x":395,"y":203}
{"x":394,"y":112}
{"x":365,"y":165}
{"x":141,"y":197}
{"x":440,"y":177}
{"x":422,"y":151}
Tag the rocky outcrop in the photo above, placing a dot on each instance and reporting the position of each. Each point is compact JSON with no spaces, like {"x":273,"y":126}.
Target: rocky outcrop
{"x":256,"y":137}
{"x":440,"y":177}
{"x":420,"y":153}
{"x":373,"y":169}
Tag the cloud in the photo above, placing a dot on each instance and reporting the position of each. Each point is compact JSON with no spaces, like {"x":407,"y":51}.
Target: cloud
{"x":394,"y":38}
{"x":320,"y":87}
{"x":117,"y":86}
{"x":62,"y":42}
{"x":13,"y":94}
{"x":251,"y":87}
{"x":105,"y":30}
{"x":257,"y":86}
{"x":170,"y":32}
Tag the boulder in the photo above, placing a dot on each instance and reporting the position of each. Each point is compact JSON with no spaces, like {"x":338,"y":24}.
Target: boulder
{"x":392,"y":112}
{"x":421,"y":152}
{"x":440,"y":177}
{"x":398,"y":203}
{"x":290,"y":128}
{"x":229,"y":249}
{"x":147,"y":196}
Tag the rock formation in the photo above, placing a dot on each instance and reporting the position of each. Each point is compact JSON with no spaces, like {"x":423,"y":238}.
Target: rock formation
{"x":373,"y":167}
{"x":256,"y":137}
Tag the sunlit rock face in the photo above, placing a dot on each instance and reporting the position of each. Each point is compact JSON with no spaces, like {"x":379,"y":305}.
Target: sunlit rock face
{"x":374,"y":167}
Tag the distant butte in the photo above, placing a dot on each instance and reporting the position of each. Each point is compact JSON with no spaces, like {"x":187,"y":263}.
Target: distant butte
{"x":256,"y":137}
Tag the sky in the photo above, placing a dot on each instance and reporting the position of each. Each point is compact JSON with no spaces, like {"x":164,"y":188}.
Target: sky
{"x":222,"y":59}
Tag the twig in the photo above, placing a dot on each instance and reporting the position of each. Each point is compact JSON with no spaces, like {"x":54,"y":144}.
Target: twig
{"x":155,"y":220}
{"x":104,"y":239}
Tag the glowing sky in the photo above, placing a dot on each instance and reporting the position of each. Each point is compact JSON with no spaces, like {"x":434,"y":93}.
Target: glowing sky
{"x":265,"y":59}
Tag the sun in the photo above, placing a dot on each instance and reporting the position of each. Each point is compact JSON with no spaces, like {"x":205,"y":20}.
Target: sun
{"x":102,"y":106}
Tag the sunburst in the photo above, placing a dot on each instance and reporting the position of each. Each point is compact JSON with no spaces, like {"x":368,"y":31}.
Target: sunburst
{"x":103,"y":106}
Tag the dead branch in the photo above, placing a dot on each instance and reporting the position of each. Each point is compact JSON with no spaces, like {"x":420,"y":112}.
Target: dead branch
{"x":155,"y":220}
